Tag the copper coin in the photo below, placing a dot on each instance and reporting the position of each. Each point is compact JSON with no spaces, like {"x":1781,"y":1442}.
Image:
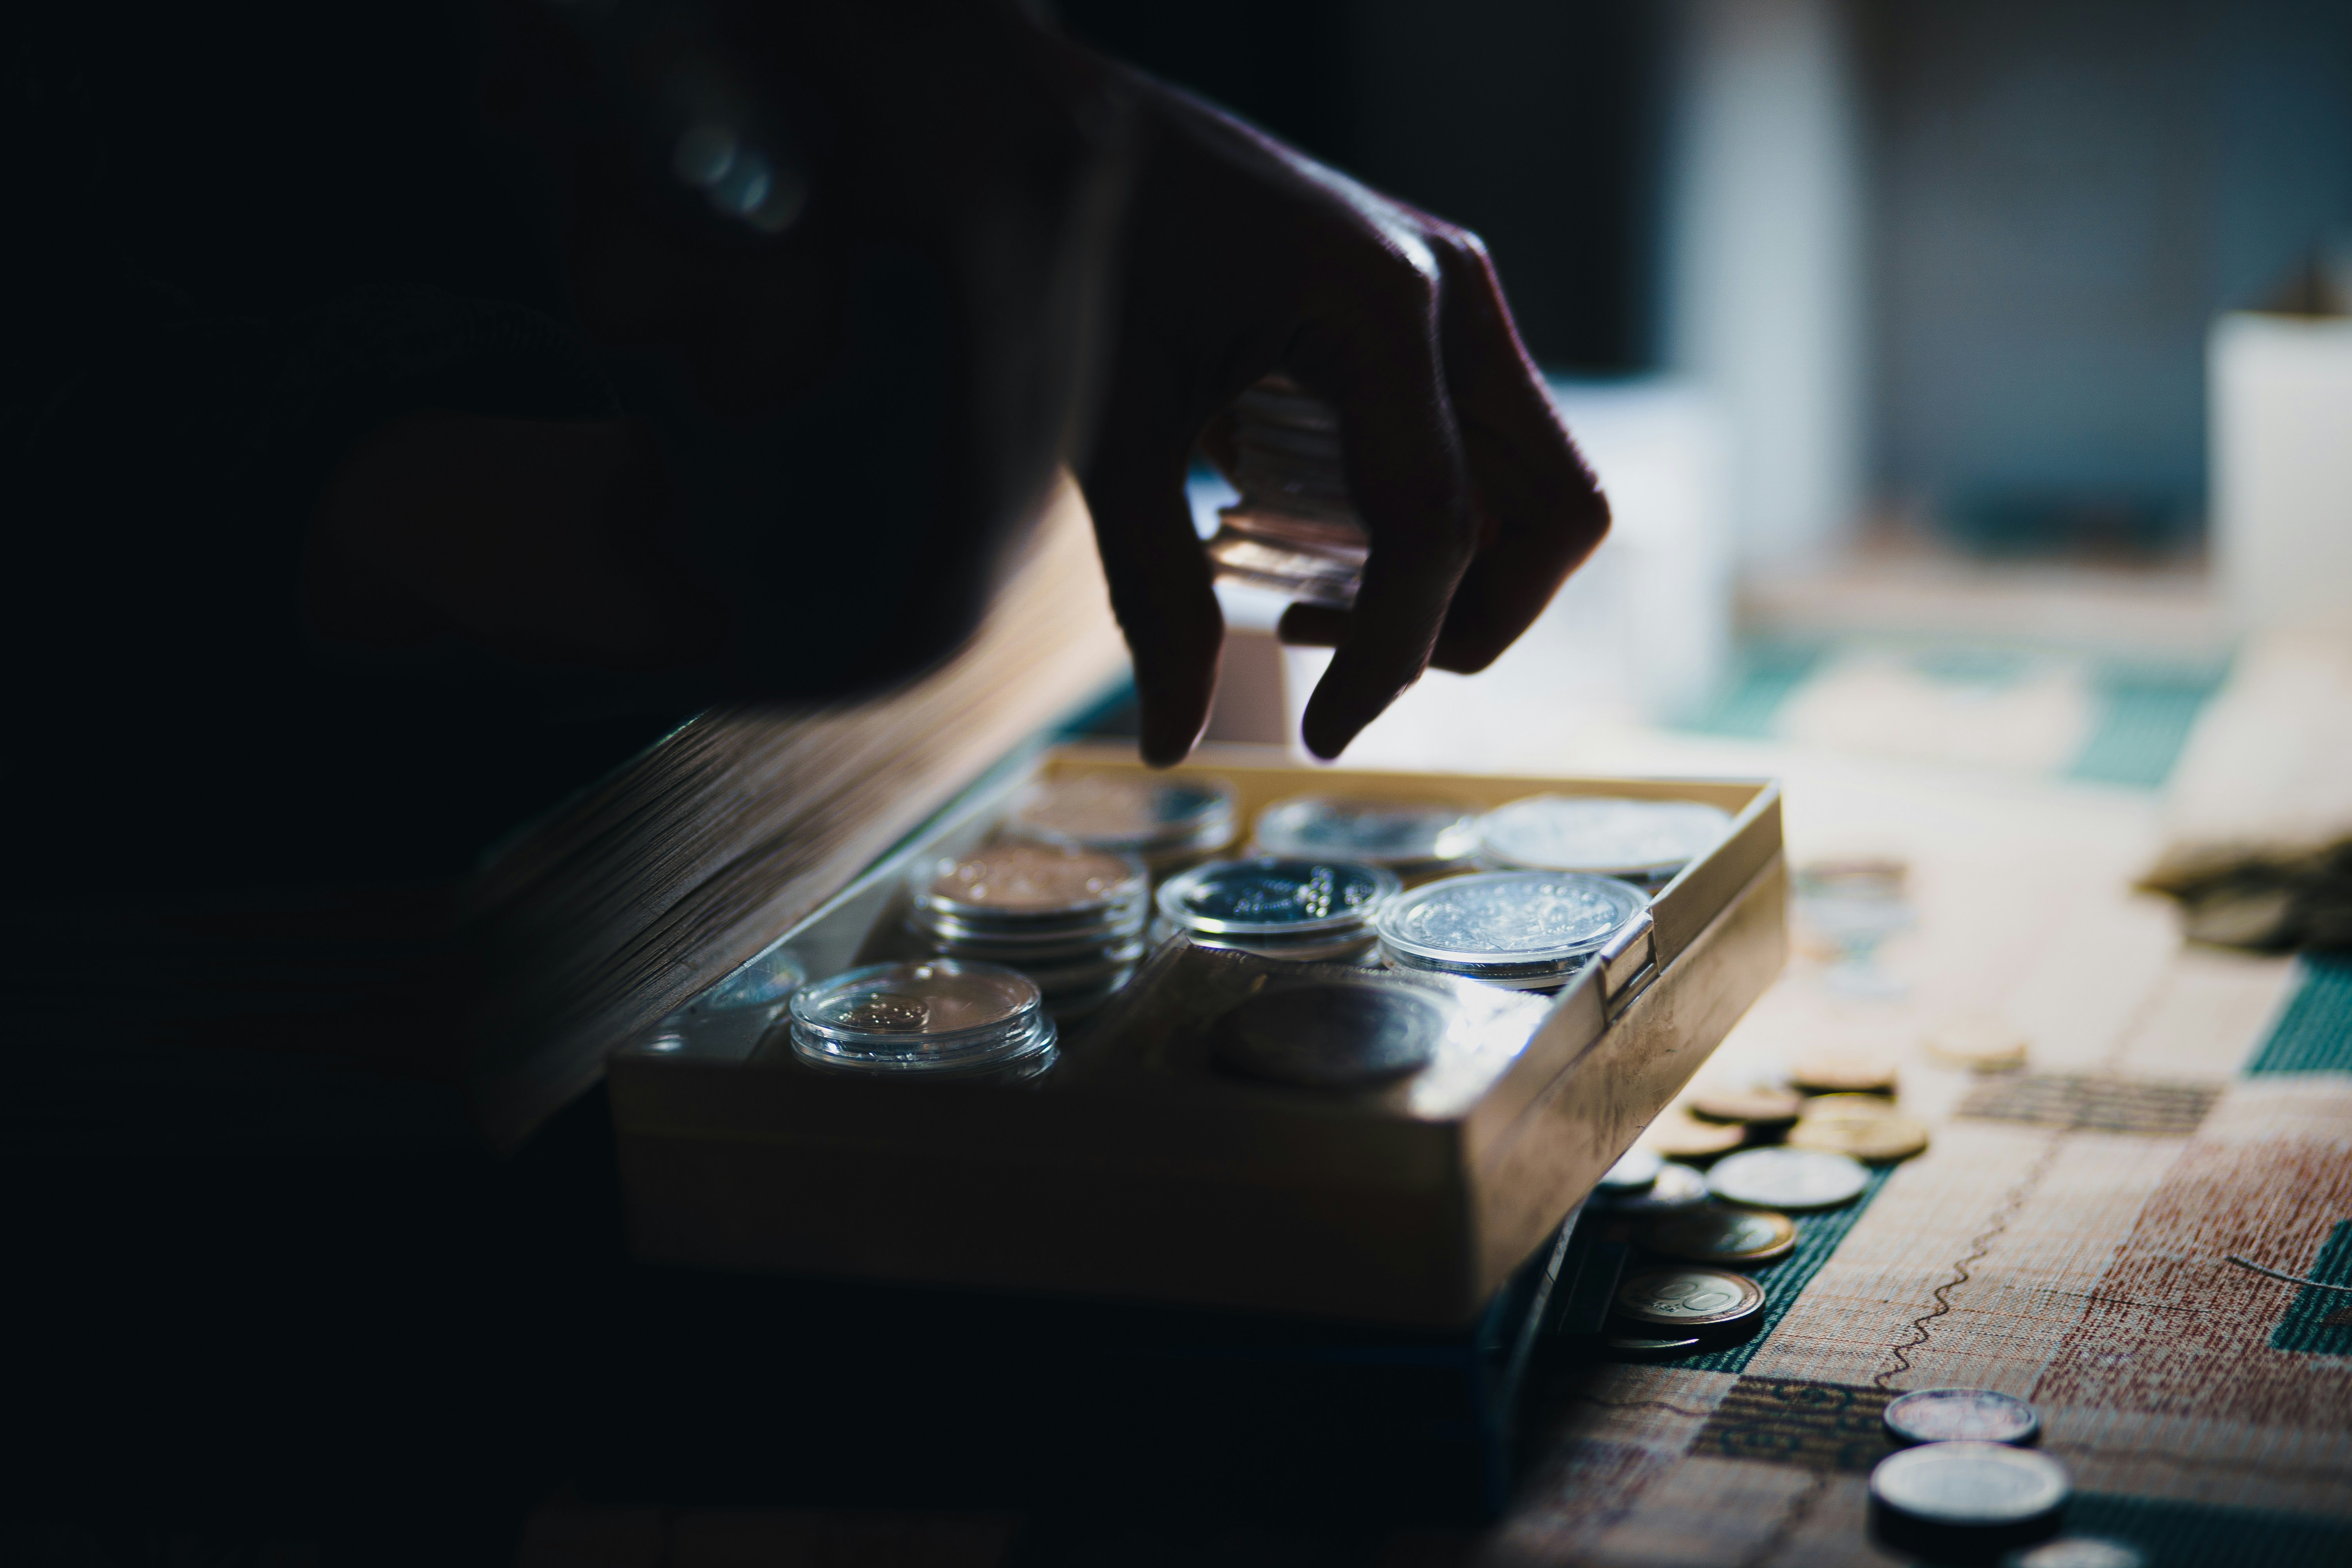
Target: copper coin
{"x":1878,"y":1138}
{"x":1844,"y":1072}
{"x":1734,"y":1237}
{"x":1978,"y":1042}
{"x":1758,"y":1105}
{"x":1678,"y":1135}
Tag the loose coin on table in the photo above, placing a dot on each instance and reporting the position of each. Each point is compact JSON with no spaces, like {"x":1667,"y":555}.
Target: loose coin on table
{"x":1677,"y":1187}
{"x":1629,"y":1347}
{"x":1678,"y":1135}
{"x":1978,"y":1042}
{"x":2078,"y":1551}
{"x":1961,"y":1415}
{"x":1687,"y":1298}
{"x":1736,"y":1236}
{"x":1788,"y":1179}
{"x":1844,"y":1072}
{"x":1756,"y":1105}
{"x":1878,"y":1136}
{"x":1983,"y":1486}
{"x":1636,"y":1173}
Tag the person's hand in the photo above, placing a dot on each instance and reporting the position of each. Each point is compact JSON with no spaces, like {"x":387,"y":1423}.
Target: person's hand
{"x":1242,"y":257}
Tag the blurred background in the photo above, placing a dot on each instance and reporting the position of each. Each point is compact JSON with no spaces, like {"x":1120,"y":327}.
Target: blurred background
{"x":1968,"y":376}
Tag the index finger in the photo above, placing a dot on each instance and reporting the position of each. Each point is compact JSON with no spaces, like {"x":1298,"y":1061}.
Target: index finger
{"x":1404,"y":467}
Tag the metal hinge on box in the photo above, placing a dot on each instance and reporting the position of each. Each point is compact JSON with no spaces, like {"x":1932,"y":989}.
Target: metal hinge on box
{"x":1628,"y":963}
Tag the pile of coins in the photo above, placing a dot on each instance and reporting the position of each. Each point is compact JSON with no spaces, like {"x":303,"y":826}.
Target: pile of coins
{"x":1166,"y":823}
{"x":1070,"y":919}
{"x":1295,"y":529}
{"x":934,"y":1020}
{"x":1416,"y":839}
{"x":1646,"y":842}
{"x":1964,"y":1488}
{"x":1305,"y":910}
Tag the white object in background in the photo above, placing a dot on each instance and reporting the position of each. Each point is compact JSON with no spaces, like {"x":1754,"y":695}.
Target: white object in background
{"x":2279,"y":422}
{"x":1765,"y":296}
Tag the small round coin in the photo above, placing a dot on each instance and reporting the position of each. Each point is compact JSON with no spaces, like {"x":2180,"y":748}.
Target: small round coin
{"x":1788,"y":1179}
{"x":1736,"y":1236}
{"x":1754,"y":1105}
{"x":1977,"y":1041}
{"x":1961,"y":1415}
{"x":1636,"y":1173}
{"x":1632,"y":1347}
{"x":2078,"y":1551}
{"x":1331,"y":1035}
{"x":1844,"y":1072}
{"x":1971,"y":1485}
{"x":1678,"y":1135}
{"x":1677,"y":1187}
{"x":1688,"y":1298}
{"x":1876,"y":1138}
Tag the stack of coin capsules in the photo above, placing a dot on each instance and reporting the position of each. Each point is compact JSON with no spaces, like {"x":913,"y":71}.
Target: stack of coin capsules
{"x":1069,"y":917}
{"x":1524,"y":930}
{"x":1294,"y":530}
{"x":1644,"y":842}
{"x":1307,"y":911}
{"x":937,"y":1017}
{"x":1168,"y":823}
{"x":1416,"y":839}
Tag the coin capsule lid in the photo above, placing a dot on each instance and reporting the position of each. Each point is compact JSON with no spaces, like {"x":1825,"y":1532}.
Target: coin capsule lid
{"x":1961,"y":1415}
{"x":1372,"y":832}
{"x":1332,"y":1033}
{"x":1721,"y":1236}
{"x":1689,"y":1296}
{"x":1607,"y":835}
{"x":1146,"y":816}
{"x":1971,"y":1485}
{"x":937,"y":1014}
{"x":1023,"y":882}
{"x":1276,"y":896}
{"x":1506,"y":920}
{"x":1786,"y":1179}
{"x":1636,"y":1170}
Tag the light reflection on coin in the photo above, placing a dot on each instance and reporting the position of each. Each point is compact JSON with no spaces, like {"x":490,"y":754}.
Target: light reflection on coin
{"x":1961,"y":1415}
{"x":1637,"y":1172}
{"x":1688,"y":1296}
{"x":1788,"y":1179}
{"x":1721,"y":1236}
{"x":1963,"y":1485}
{"x":1677,"y":1187}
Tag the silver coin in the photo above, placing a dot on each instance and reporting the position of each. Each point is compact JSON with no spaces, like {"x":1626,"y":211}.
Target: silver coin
{"x":1617,"y":837}
{"x":1689,"y":1297}
{"x":1788,"y":1179}
{"x":1961,"y":1415}
{"x":1375,"y":832}
{"x":1509,"y":917}
{"x":2078,"y":1551}
{"x":1971,"y":1484}
{"x":1679,"y":1187}
{"x":1333,"y":1034}
{"x":1630,"y":1347}
{"x":1271,"y":896}
{"x":1637,"y":1172}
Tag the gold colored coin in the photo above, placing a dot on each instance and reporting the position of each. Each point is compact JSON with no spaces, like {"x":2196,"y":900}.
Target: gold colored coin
{"x":1679,"y":1135}
{"x":1849,"y":1105}
{"x":1736,"y":1236}
{"x":1756,"y":1105}
{"x":1844,"y":1072}
{"x":1978,"y":1042}
{"x":1878,"y":1138}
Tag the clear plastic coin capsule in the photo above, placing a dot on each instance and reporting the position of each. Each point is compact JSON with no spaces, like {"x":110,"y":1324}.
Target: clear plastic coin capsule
{"x":1279,"y":907}
{"x":1168,"y":823}
{"x":1071,"y":919}
{"x":1526,"y":931}
{"x":1645,"y":841}
{"x":939,"y":1017}
{"x":1410,"y":837}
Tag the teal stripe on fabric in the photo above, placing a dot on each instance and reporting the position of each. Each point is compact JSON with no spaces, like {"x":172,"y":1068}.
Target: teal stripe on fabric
{"x":2189,"y":1535}
{"x":2306,"y":1329}
{"x":2314,"y":1033}
{"x":1763,"y":676}
{"x":2145,"y":716}
{"x":1817,"y":1236}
